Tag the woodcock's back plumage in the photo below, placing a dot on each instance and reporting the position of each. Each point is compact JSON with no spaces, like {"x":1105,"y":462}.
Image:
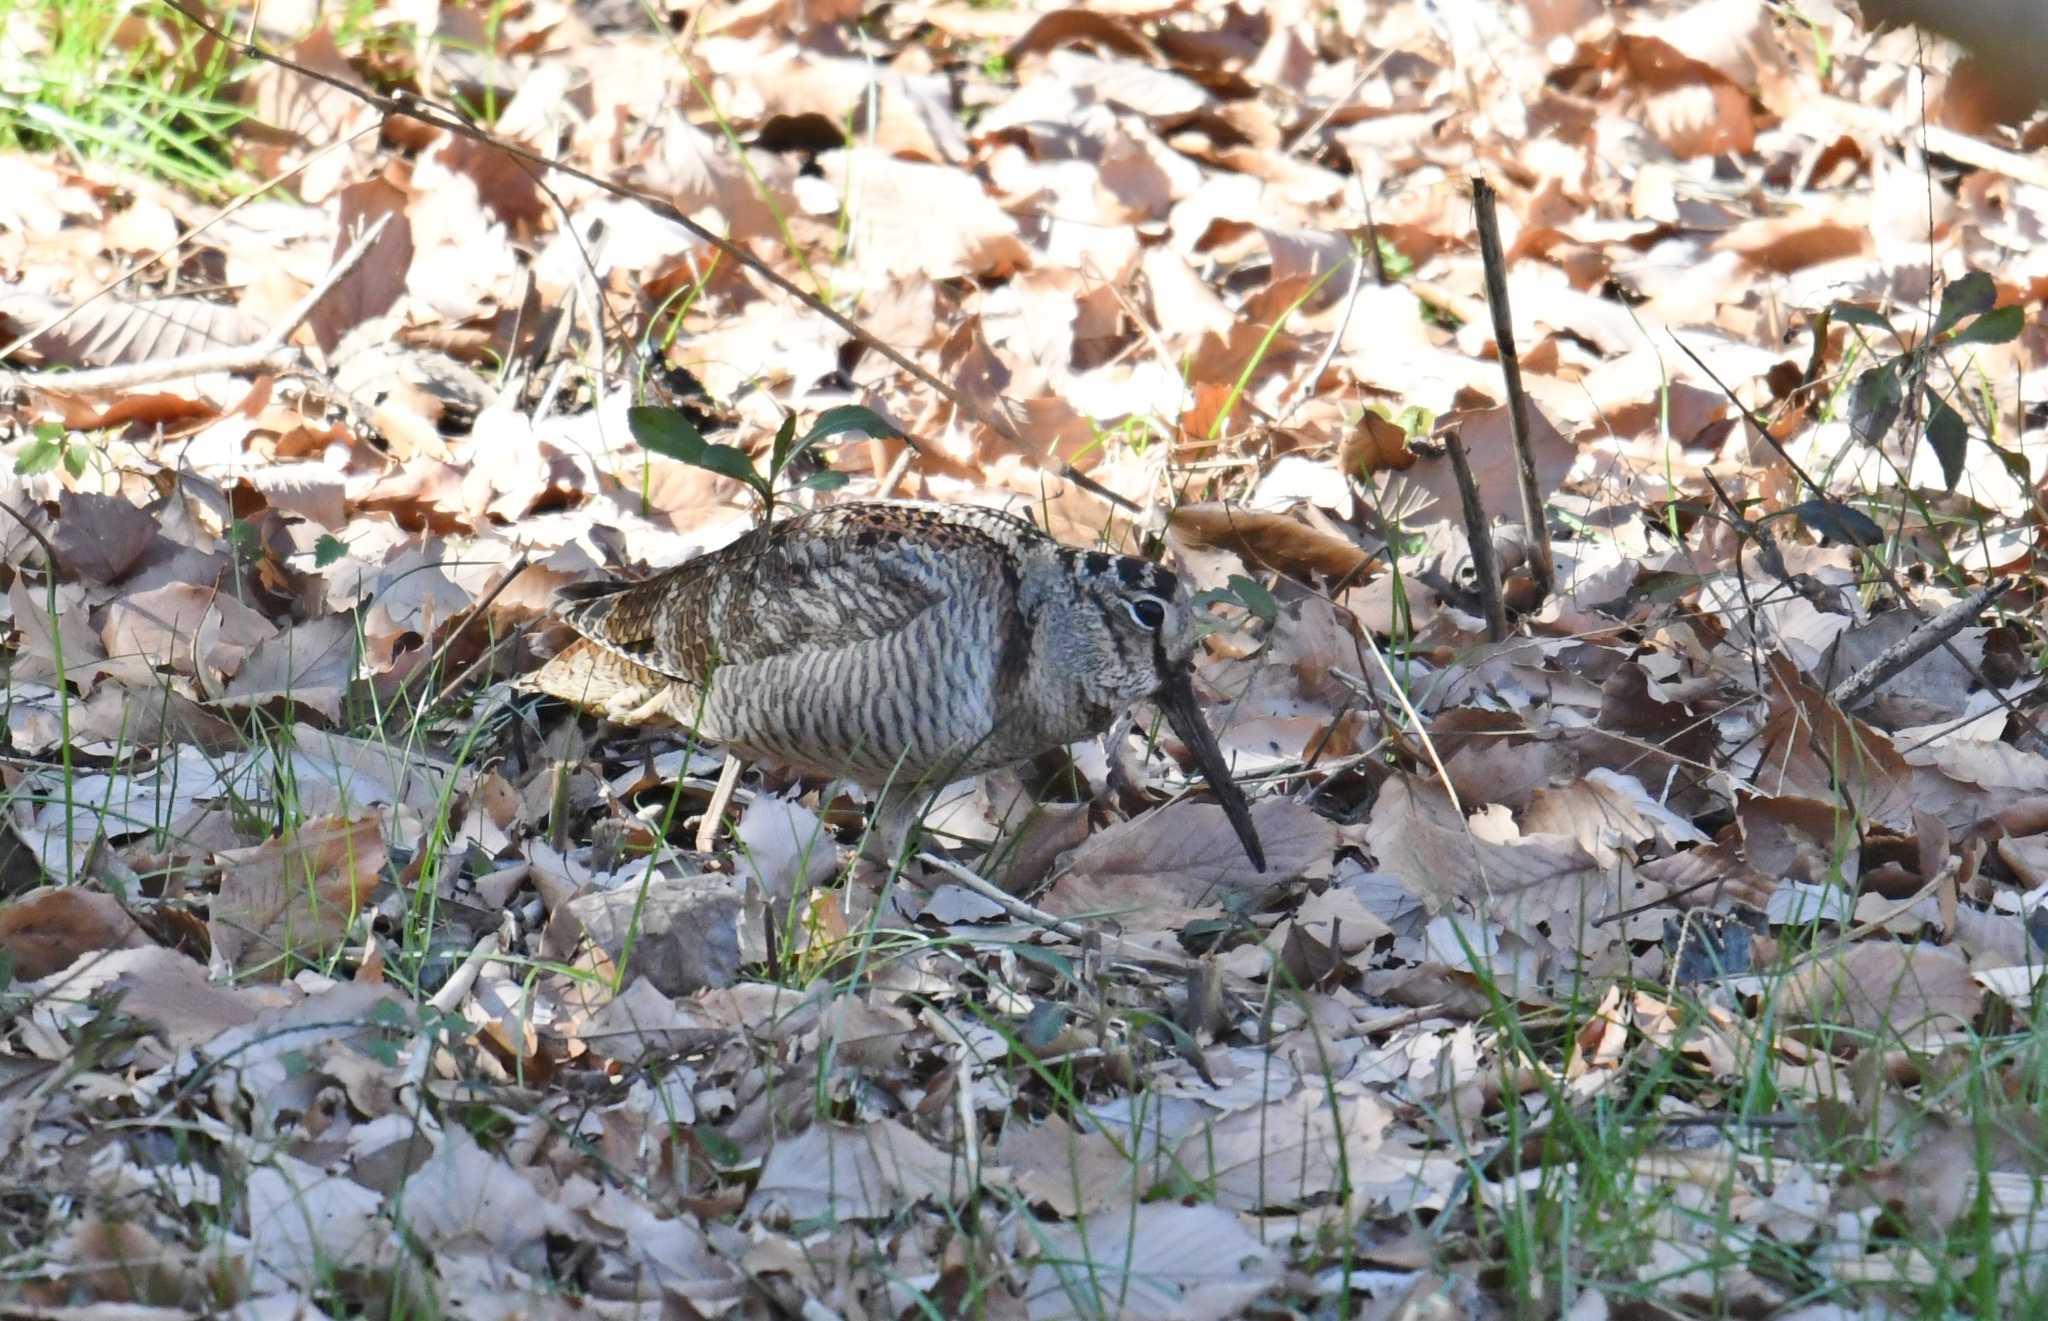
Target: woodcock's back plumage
{"x":893,"y":643}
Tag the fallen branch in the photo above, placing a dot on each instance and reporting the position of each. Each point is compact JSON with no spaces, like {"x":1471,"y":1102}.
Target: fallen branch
{"x":1900,"y":656}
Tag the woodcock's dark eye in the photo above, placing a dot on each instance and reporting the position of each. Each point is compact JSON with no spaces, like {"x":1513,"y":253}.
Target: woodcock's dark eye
{"x":1148,"y":611}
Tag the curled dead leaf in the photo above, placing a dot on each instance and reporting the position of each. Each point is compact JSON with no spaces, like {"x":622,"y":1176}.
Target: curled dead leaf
{"x":47,"y":930}
{"x":1271,"y":541}
{"x":295,"y":894}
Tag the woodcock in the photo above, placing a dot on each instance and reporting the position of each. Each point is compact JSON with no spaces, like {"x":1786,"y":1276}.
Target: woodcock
{"x":896,"y":644}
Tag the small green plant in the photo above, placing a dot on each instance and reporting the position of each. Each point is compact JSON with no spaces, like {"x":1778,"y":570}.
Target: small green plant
{"x":667,"y":431}
{"x":54,"y":445}
{"x":1394,"y":261}
{"x":1888,"y":389}
{"x":1246,"y":594}
{"x":1415,"y":421}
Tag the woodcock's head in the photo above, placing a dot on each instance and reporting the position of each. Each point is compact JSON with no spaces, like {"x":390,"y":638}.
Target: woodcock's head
{"x":1126,"y":632}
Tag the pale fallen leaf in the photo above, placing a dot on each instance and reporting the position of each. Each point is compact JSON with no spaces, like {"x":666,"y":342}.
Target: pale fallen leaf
{"x":1287,"y":1153}
{"x":48,"y":632}
{"x":305,"y":1222}
{"x":669,"y":1251}
{"x":111,"y":332}
{"x":171,"y":993}
{"x":842,"y":1172}
{"x":1609,"y":814}
{"x":1157,"y":1262}
{"x":1525,"y":882}
{"x":908,"y":217}
{"x":310,"y":664}
{"x":186,"y":628}
{"x":1072,"y":1171}
{"x":784,"y":848}
{"x":467,"y":1199}
{"x":683,"y":933}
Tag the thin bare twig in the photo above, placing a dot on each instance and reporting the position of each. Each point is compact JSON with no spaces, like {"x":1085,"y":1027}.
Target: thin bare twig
{"x":1542,"y":565}
{"x":1477,"y":531}
{"x":1900,"y":655}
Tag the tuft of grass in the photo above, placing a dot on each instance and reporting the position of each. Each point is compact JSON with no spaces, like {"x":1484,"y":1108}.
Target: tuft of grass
{"x":100,"y":80}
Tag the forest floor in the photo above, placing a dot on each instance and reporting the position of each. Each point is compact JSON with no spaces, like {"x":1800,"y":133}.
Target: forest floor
{"x":1653,"y":958}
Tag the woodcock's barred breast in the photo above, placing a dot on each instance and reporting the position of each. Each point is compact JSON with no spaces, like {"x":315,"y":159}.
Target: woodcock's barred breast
{"x":897,"y":644}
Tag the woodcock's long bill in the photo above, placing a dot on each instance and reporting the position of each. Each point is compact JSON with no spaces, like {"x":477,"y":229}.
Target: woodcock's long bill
{"x":896,"y":644}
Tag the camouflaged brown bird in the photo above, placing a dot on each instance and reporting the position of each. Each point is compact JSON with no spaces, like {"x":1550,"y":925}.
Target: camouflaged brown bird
{"x":896,"y":644}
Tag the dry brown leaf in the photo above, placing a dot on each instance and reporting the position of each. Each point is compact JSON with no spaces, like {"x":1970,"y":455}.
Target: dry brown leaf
{"x":310,"y":664}
{"x":1914,"y":994}
{"x":45,"y":931}
{"x":1529,"y":884}
{"x":183,"y":627}
{"x":1609,"y":814}
{"x":1271,"y":541}
{"x":1791,"y":838}
{"x":375,"y":283}
{"x":1160,"y":867}
{"x":307,"y":114}
{"x":505,"y":186}
{"x":110,"y":332}
{"x":119,"y":1261}
{"x":101,"y":537}
{"x":294,"y":896}
{"x":683,"y":933}
{"x":1490,"y":448}
{"x":83,"y":657}
{"x":1808,"y":748}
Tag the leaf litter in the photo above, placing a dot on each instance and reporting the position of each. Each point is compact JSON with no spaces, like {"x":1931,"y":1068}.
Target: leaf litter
{"x":1620,"y":965}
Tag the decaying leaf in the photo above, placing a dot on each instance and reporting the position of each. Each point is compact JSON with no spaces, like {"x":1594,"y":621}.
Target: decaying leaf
{"x":292,"y":898}
{"x":1161,"y":1260}
{"x":1887,"y":992}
